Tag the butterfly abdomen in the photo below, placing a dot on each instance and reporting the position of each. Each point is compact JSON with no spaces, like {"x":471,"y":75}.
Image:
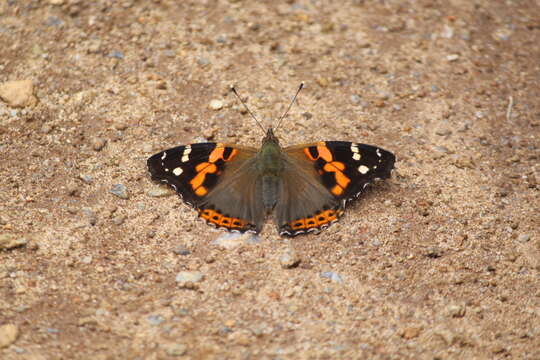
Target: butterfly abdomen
{"x":270,"y":188}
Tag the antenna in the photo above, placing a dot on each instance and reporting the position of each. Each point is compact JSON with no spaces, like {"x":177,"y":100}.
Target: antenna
{"x":290,"y":105}
{"x":249,"y":111}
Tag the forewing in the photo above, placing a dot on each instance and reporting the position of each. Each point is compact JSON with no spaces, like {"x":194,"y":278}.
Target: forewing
{"x":196,"y":172}
{"x":342,"y":169}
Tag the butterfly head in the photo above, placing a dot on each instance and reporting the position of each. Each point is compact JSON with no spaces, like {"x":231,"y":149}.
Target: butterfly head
{"x":270,"y":137}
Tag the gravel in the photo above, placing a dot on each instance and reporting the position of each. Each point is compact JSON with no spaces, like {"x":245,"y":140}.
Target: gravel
{"x":216,"y":104}
{"x":188,"y":278}
{"x":8,"y":334}
{"x":333,"y":276}
{"x":120,"y":191}
{"x":289,"y":258}
{"x":11,"y":241}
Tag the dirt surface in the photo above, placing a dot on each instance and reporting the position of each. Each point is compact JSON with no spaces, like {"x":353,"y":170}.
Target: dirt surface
{"x":440,"y":262}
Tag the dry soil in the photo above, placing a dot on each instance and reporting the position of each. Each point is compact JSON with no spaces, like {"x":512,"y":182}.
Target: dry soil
{"x":440,"y":262}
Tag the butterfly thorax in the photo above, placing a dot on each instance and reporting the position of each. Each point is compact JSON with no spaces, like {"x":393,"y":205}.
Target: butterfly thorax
{"x":270,"y":167}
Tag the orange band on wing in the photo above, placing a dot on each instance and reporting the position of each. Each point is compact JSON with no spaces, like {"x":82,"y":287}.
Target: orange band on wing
{"x":324,"y":153}
{"x":218,"y":219}
{"x":341,"y":179}
{"x":218,"y":154}
{"x":337,"y":190}
{"x":324,"y":217}
{"x":202,"y":169}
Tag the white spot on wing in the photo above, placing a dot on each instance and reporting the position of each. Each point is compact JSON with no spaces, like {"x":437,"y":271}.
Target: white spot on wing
{"x":185,"y":154}
{"x":178,"y":171}
{"x":378,"y":152}
{"x":356,"y":156}
{"x":354,"y":148}
{"x":363,"y":169}
{"x":164,"y":155}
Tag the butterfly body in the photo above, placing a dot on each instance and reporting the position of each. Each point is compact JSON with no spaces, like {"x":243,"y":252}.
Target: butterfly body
{"x":269,"y":166}
{"x":305,"y":187}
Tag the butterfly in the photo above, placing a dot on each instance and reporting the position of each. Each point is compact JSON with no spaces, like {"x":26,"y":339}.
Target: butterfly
{"x":306,"y":187}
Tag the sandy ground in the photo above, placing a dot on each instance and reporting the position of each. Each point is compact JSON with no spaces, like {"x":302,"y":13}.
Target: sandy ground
{"x":440,"y":262}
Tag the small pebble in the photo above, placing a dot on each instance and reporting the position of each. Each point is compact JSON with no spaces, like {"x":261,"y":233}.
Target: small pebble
{"x":94,"y":46}
{"x":221,"y":39}
{"x":229,"y":241}
{"x":120,"y":126}
{"x":411,"y":332}
{"x":155,"y":319}
{"x":181,"y":250}
{"x":334,"y":277}
{"x":289,"y":259}
{"x":147,"y":148}
{"x":187,"y":279}
{"x":434,"y":252}
{"x":441,"y":149}
{"x":160,"y":191}
{"x":86,"y":260}
{"x":46,"y":128}
{"x":86,"y":178}
{"x":73,"y":189}
{"x":116,"y":54}
{"x":120,"y":191}
{"x":119,"y":220}
{"x":8,"y":334}
{"x":443,"y":132}
{"x":455,"y":311}
{"x":98,"y":143}
{"x":54,"y":21}
{"x":376,"y":242}
{"x":175,"y":349}
{"x":524,"y":238}
{"x":502,"y":33}
{"x":452,"y":57}
{"x":355,"y":99}
{"x":18,"y":93}
{"x":90,"y":215}
{"x":216,"y":104}
{"x":203,"y":61}
{"x":11,"y":241}
{"x":447,"y":32}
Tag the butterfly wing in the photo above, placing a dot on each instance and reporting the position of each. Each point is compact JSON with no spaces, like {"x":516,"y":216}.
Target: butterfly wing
{"x":212,"y":177}
{"x":320,"y":178}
